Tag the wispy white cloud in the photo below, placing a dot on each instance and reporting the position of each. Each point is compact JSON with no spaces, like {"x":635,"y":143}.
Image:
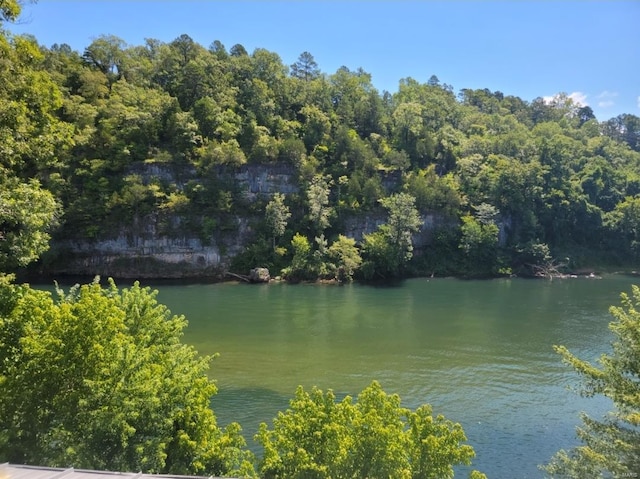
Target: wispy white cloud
{"x":638,"y":101}
{"x":578,"y":98}
{"x":606,"y":98}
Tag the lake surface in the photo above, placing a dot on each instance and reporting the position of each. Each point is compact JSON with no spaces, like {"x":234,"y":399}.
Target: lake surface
{"x":480,"y":352}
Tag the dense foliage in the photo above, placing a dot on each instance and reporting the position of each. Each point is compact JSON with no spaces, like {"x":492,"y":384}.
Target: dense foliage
{"x":27,"y":212}
{"x":138,"y":138}
{"x":33,"y":141}
{"x":374,"y":436}
{"x":611,"y":446}
{"x":98,"y":378}
{"x":121,"y":138}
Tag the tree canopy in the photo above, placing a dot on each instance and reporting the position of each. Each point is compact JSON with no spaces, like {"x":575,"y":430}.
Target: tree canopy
{"x":373,"y":436}
{"x":150,"y":138}
{"x":9,"y":10}
{"x":27,"y":213}
{"x":97,"y":378}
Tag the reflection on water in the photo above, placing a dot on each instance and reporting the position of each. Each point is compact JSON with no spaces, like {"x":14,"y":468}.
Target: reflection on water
{"x":479,"y":351}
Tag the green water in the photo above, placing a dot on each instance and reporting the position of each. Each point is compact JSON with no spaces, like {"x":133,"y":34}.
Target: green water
{"x":479,"y":351}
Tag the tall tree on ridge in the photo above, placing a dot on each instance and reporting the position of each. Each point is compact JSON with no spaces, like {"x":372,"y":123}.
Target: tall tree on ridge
{"x":305,"y":68}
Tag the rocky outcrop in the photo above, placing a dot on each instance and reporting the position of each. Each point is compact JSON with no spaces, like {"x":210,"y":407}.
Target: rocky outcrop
{"x":127,"y":257}
{"x":143,"y":250}
{"x":358,"y":226}
{"x":259,"y":275}
{"x":253,"y":180}
{"x":146,"y":254}
{"x":264,"y":180}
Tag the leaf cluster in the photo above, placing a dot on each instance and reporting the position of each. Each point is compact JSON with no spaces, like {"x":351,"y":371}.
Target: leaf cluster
{"x":98,"y":378}
{"x":373,"y":436}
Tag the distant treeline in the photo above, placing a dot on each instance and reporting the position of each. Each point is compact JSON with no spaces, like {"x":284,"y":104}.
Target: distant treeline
{"x":524,"y":185}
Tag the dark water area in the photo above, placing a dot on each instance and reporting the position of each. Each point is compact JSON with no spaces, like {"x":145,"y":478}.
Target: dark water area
{"x":480,"y":352}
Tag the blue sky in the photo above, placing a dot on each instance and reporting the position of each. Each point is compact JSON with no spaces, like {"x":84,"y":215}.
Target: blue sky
{"x":587,"y":49}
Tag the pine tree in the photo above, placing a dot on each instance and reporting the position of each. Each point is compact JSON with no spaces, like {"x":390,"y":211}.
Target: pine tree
{"x":611,"y":447}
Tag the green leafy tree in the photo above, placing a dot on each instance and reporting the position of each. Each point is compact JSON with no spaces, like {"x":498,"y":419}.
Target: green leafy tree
{"x":373,"y":437}
{"x":316,"y":126}
{"x":99,"y":379}
{"x":106,"y":54}
{"x":277,"y":216}
{"x":9,"y":10}
{"x":188,"y":72}
{"x":403,"y":222}
{"x":302,"y":263}
{"x":479,"y":240}
{"x":346,"y":258}
{"x":388,"y":249}
{"x":214,"y":154}
{"x":135,"y":199}
{"x":512,"y":186}
{"x":321,"y":264}
{"x":305,"y":68}
{"x":433,"y":192}
{"x":32,"y":138}
{"x":624,"y":224}
{"x":265,"y":148}
{"x":611,"y":446}
{"x":133,"y":120}
{"x":355,"y":101}
{"x":27,"y":215}
{"x":407,"y":122}
{"x":624,"y":127}
{"x":318,"y":199}
{"x":379,"y":256}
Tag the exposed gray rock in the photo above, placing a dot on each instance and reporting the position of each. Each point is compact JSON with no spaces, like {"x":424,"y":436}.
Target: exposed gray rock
{"x":144,"y":250}
{"x":266,"y":180}
{"x":137,"y":257}
{"x":259,"y":275}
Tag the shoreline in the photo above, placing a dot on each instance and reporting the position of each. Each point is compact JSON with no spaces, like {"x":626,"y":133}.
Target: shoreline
{"x":582,"y":273}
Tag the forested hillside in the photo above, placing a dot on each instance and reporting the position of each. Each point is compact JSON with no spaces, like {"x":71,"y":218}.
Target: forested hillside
{"x":133,"y":139}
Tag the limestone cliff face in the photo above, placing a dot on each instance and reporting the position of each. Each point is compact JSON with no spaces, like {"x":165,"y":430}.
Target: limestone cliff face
{"x":136,"y":257}
{"x":146,"y":254}
{"x":140,"y":250}
{"x":265,"y":180}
